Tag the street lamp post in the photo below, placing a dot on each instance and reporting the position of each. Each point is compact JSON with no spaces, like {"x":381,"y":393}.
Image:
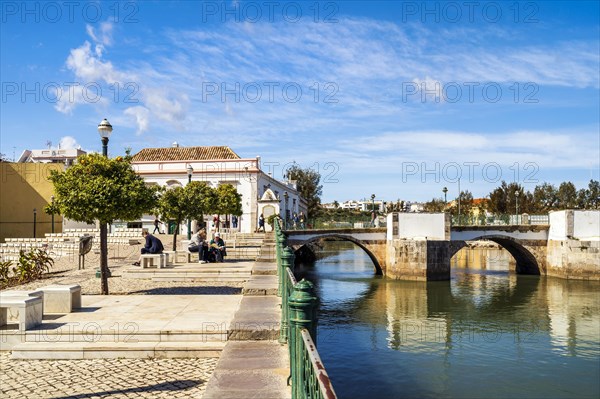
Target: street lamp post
{"x":104,"y":129}
{"x":286,"y":196}
{"x":52,"y":214}
{"x":34,"y":220}
{"x":517,"y":205}
{"x":373,"y":209}
{"x":190,"y":172}
{"x":445,"y":191}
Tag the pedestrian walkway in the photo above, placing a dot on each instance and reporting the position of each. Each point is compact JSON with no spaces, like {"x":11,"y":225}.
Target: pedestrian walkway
{"x":253,"y":363}
{"x":130,"y":326}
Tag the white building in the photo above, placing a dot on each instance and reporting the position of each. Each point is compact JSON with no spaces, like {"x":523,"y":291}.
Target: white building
{"x":64,"y":156}
{"x":217,"y":165}
{"x":363,"y":205}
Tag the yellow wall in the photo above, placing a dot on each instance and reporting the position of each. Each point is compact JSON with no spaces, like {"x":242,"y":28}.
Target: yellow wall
{"x":23,"y":187}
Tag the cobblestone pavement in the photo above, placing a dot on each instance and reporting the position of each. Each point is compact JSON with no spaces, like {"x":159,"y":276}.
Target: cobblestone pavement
{"x":104,"y":378}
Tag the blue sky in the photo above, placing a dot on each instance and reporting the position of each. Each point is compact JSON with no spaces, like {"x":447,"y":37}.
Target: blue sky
{"x":392,"y":98}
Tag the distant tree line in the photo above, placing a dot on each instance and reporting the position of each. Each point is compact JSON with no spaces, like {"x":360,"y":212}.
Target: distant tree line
{"x":508,"y":196}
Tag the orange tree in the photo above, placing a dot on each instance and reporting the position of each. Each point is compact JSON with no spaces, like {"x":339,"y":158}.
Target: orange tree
{"x":228,"y":201}
{"x":189,"y":202}
{"x":103,"y":189}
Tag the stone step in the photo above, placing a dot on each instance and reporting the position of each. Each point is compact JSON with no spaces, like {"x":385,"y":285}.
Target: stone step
{"x":261,"y":285}
{"x":120,"y":333}
{"x":258,"y":318}
{"x":267,"y":268}
{"x":200,"y":278}
{"x":113,"y":350}
{"x":251,"y":369}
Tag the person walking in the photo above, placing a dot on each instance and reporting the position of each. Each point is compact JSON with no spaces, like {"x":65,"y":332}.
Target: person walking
{"x":157,"y":222}
{"x":261,"y":223}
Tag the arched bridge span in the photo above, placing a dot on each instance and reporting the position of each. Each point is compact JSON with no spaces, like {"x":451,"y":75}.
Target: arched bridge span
{"x":372,"y":241}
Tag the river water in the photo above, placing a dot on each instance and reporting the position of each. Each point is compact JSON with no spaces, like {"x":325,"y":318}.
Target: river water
{"x":486,"y":333}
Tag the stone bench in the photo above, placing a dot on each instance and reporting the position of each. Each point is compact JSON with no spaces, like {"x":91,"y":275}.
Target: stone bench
{"x":147,"y":260}
{"x":12,"y":312}
{"x":28,"y":308}
{"x":170,"y":257}
{"x":61,"y":298}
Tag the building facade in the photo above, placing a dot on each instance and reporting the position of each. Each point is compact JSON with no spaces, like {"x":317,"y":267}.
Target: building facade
{"x":62,"y":156}
{"x":261,"y":193}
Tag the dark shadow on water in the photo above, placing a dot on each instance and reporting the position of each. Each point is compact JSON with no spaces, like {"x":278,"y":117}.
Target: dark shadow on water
{"x":218,"y":290}
{"x":177,"y":385}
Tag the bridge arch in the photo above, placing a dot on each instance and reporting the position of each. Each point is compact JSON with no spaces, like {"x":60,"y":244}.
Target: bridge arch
{"x":526,"y":261}
{"x":364,"y":246}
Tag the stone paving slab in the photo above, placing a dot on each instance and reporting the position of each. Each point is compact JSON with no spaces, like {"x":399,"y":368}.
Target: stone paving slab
{"x":251,"y":369}
{"x":129,"y":318}
{"x":265,"y":268}
{"x":261,"y":285}
{"x":113,"y":350}
{"x":258,"y":318}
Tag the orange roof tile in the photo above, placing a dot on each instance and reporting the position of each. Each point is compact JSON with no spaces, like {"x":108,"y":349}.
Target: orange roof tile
{"x":184,"y":154}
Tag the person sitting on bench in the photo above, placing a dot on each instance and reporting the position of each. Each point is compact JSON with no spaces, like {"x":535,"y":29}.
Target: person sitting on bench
{"x":217,"y":248}
{"x":199,"y":244}
{"x":153,"y":246}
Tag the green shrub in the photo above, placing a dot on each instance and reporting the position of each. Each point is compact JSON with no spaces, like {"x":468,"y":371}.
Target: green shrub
{"x":5,"y":273}
{"x":30,"y":266}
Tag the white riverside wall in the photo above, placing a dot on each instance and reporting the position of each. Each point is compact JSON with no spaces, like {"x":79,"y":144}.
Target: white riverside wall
{"x":572,"y":224}
{"x":418,"y":226}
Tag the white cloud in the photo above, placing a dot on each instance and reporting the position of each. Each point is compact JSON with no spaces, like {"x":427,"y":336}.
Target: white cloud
{"x":67,"y":143}
{"x":141,"y":116}
{"x":103,"y":35}
{"x":368,"y":61}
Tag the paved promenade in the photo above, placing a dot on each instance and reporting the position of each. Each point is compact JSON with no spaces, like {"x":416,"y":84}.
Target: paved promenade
{"x":159,"y":339}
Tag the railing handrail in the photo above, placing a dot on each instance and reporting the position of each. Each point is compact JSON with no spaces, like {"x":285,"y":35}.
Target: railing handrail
{"x":291,"y":276}
{"x":321,"y":375}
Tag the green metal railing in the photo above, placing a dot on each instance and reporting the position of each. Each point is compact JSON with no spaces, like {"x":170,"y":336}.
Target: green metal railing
{"x":500,"y":220}
{"x":299,"y":327}
{"x":343,"y":223}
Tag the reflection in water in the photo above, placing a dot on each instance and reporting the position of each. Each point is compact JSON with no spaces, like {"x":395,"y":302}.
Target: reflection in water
{"x":485,"y":333}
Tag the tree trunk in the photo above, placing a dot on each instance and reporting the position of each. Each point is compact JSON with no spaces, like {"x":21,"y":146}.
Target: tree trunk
{"x":103,"y":258}
{"x":175,"y":235}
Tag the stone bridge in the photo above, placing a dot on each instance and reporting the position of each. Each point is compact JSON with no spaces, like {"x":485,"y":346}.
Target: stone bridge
{"x":420,"y":246}
{"x":372,"y":241}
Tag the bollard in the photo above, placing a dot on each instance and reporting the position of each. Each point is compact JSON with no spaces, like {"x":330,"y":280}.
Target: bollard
{"x":287,"y":260}
{"x":303,"y":310}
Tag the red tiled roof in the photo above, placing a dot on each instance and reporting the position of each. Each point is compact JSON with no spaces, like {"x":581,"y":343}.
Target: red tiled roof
{"x":184,"y":154}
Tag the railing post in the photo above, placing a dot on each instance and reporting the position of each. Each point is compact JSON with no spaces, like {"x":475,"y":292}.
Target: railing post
{"x":280,"y":244}
{"x":287,"y":260}
{"x":302,"y":307}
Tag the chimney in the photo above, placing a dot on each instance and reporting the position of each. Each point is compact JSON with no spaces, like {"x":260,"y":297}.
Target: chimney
{"x":175,"y":144}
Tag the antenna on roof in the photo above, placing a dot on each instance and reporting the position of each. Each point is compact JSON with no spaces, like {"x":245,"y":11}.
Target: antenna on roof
{"x":48,"y":144}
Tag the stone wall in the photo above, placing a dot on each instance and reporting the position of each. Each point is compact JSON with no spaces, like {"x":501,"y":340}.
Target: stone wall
{"x":573,"y":259}
{"x":23,"y":187}
{"x":420,"y":260}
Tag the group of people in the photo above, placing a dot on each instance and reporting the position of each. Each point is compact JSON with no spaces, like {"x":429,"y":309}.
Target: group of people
{"x":208,"y":251}
{"x":298,"y":220}
{"x":213,"y":251}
